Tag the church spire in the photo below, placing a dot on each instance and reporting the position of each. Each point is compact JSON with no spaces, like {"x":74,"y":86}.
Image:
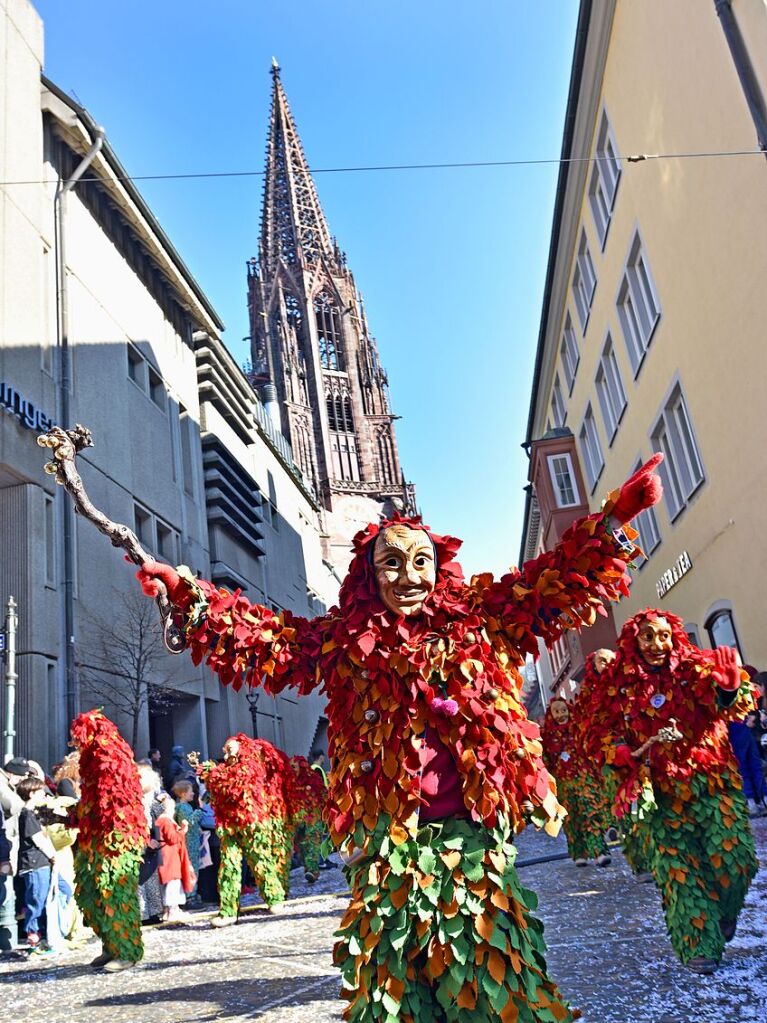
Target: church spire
{"x":293,"y":226}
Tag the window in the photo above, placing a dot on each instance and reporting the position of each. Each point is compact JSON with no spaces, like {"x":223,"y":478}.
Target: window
{"x":569,"y":353}
{"x":329,"y":332}
{"x":721,"y":630}
{"x":612,"y":397}
{"x":646,"y":524}
{"x":692,"y":633}
{"x":584,"y":281}
{"x":558,"y":413}
{"x":638,"y":308}
{"x":187,"y":466}
{"x":603,"y":184}
{"x":339,"y":412}
{"x":681,"y":470}
{"x":50,"y":543}
{"x":136,"y":367}
{"x":156,"y":388}
{"x":143,"y":526}
{"x":166,"y":543}
{"x":563,"y":480}
{"x":273,"y":514}
{"x":593,"y":458}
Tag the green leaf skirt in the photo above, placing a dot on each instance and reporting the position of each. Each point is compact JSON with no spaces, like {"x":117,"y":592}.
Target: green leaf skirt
{"x":440,"y":929}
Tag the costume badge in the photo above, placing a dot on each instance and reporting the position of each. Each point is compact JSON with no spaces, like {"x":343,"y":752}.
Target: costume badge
{"x":658,"y":700}
{"x":564,"y":755}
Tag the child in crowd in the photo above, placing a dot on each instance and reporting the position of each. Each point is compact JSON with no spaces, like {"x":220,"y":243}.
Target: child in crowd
{"x":186,"y":814}
{"x":36,"y":857}
{"x":175,"y":871}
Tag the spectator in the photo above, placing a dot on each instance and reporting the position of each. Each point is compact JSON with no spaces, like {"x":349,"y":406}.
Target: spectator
{"x":183,"y":791}
{"x":36,"y":857}
{"x":11,"y":805}
{"x":210,"y":855}
{"x":150,"y":889}
{"x":747,"y":753}
{"x":155,"y":759}
{"x":175,"y":871}
{"x":178,"y":767}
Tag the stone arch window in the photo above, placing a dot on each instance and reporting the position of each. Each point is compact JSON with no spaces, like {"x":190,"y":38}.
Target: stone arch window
{"x":339,"y":408}
{"x":329,"y":333}
{"x":385,"y":456}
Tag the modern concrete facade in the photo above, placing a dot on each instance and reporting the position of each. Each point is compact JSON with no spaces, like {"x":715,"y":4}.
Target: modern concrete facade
{"x":184,"y":452}
{"x":652,"y":330}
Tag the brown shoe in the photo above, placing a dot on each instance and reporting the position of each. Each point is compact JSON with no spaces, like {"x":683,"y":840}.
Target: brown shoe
{"x":117,"y":965}
{"x":701,"y":964}
{"x":101,"y":961}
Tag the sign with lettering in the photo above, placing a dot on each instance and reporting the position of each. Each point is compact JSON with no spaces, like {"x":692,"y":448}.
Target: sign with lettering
{"x":27,"y":413}
{"x":672,"y":575}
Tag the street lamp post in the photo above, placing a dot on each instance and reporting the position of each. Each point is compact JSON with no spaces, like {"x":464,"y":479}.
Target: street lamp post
{"x":252,"y":698}
{"x":9,"y":733}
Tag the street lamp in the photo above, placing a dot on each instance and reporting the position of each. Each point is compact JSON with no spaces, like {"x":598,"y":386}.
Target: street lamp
{"x":252,"y":696}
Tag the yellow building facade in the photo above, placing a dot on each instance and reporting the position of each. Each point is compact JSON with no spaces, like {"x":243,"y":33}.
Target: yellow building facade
{"x":654,"y":325}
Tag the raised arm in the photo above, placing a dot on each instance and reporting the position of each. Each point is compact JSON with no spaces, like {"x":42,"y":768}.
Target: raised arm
{"x":243,"y":643}
{"x":566,"y":587}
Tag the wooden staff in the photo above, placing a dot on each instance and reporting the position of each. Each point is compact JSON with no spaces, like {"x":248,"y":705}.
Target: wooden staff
{"x":65,"y":446}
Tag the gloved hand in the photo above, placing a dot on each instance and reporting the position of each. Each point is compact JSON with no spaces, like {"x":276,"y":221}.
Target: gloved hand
{"x":151,"y":571}
{"x":640,"y":491}
{"x":727,"y":672}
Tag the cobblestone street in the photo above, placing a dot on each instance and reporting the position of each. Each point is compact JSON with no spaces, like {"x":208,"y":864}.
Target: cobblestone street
{"x":608,"y":951}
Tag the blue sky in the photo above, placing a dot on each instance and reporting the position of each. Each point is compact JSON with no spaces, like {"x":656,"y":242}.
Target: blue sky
{"x":451,"y":262}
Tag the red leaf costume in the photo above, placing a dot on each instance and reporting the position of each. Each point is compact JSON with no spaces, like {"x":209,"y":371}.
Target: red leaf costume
{"x":446,"y":678}
{"x":702,"y":850}
{"x":113,"y":833}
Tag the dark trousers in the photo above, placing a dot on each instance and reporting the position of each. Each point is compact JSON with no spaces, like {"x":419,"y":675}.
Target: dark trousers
{"x":36,"y":885}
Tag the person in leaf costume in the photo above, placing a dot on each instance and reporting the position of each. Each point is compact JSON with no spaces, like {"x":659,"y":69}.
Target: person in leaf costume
{"x":662,"y":723}
{"x":434,"y":764}
{"x":111,"y":839}
{"x":252,"y":794}
{"x":636,"y":836}
{"x":579,"y":787}
{"x":310,"y":794}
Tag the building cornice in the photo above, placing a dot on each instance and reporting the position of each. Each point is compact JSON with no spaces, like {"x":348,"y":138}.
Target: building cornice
{"x":77,"y":128}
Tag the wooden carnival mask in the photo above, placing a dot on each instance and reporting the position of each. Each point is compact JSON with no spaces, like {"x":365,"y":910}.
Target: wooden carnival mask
{"x":405,"y":568}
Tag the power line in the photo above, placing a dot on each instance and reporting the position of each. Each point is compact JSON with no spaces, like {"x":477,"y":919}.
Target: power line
{"x":637,"y":158}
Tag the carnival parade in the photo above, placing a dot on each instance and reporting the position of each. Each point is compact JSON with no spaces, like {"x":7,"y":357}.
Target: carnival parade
{"x":277,"y":744}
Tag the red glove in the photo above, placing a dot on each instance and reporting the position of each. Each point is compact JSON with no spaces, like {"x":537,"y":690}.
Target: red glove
{"x":151,"y":571}
{"x":623,"y":757}
{"x":640,"y":491}
{"x":727,"y":670}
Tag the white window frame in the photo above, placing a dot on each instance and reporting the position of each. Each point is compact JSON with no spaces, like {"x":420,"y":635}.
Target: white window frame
{"x":638,"y":307}
{"x":610,"y":390}
{"x":584,"y":281}
{"x":555,"y":485}
{"x":646,"y":523}
{"x":591,"y":448}
{"x":682,"y":469}
{"x":558,"y":408}
{"x":605,"y":179}
{"x":569,"y":353}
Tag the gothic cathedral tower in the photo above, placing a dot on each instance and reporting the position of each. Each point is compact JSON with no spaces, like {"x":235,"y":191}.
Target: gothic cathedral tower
{"x":314,"y":360}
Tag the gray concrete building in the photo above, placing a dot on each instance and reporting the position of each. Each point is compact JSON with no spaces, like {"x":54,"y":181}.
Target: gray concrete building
{"x":184,"y":452}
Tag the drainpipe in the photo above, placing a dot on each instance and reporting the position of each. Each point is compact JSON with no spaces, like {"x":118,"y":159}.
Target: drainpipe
{"x":65,"y":381}
{"x":745,"y":69}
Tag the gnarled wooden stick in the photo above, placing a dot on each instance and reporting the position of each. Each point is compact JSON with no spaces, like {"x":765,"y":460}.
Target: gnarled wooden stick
{"x":65,"y":446}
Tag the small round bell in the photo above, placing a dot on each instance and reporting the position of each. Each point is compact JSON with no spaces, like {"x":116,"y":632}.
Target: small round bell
{"x":371,"y":716}
{"x":366,"y":766}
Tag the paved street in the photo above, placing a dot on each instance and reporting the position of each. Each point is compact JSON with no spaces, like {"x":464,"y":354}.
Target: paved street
{"x":605,"y":933}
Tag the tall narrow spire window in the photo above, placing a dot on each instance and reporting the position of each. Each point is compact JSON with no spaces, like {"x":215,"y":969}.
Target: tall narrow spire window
{"x":329,"y":332}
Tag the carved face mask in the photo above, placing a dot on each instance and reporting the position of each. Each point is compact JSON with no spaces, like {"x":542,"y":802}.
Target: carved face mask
{"x":405,"y":568}
{"x":655,"y":641}
{"x":560,"y":711}
{"x":602,"y":660}
{"x":231,"y":749}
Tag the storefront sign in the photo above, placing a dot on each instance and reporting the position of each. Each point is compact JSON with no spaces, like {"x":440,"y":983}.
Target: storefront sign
{"x":27,"y":413}
{"x":672,"y":575}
